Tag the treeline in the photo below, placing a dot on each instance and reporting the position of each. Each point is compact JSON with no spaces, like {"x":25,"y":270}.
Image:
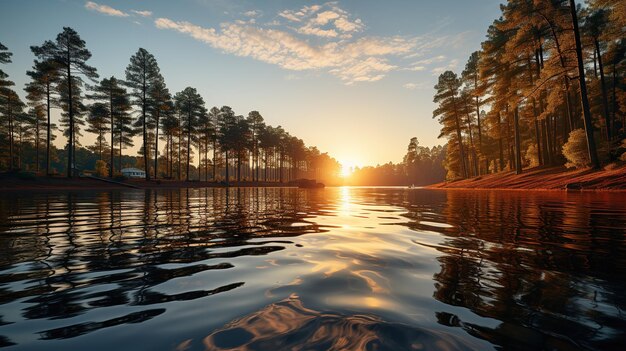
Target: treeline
{"x":548,"y":87}
{"x":173,"y":127}
{"x":420,"y":166}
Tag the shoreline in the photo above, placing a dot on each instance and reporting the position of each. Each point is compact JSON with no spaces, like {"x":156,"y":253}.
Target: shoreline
{"x":544,"y":179}
{"x":10,"y":184}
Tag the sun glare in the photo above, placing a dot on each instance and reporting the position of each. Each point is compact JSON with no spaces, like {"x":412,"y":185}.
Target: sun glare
{"x":346,"y":170}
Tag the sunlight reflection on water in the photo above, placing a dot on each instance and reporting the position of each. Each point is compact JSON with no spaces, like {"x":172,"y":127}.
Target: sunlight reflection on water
{"x":342,"y":268}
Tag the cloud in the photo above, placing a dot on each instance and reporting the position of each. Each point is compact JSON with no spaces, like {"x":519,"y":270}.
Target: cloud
{"x":449,"y":67}
{"x":371,"y":69}
{"x":430,"y":60}
{"x":297,"y":16}
{"x":359,"y":61}
{"x":252,"y":13}
{"x":327,"y":20}
{"x":335,"y":51}
{"x":415,"y":86}
{"x":104,"y":9}
{"x":143,"y":13}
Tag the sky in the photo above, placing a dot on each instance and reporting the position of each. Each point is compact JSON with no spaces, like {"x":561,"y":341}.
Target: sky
{"x":354,"y":78}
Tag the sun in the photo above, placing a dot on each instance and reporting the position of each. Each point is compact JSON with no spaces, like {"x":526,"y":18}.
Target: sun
{"x":346,"y":171}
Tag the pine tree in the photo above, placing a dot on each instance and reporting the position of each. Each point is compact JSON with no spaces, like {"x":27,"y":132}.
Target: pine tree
{"x":44,"y":77}
{"x":141,"y":75}
{"x":111,"y":92}
{"x":447,"y":97}
{"x":70,"y":56}
{"x":191,"y":107}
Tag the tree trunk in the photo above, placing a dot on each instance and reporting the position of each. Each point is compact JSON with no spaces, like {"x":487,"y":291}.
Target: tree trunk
{"x":156,"y":144}
{"x":591,"y":143}
{"x":227,"y":175}
{"x":537,"y":133}
{"x":37,"y":139}
{"x":121,"y":136}
{"x":112,"y":119}
{"x":214,"y":161}
{"x":238,"y":167}
{"x":48,"y":128}
{"x":143,"y":116}
{"x":188,"y":146}
{"x":605,"y":100}
{"x":11,"y":151}
{"x":70,"y":149}
{"x":518,"y":151}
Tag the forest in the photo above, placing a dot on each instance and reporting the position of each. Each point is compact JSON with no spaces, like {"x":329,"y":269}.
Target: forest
{"x":173,"y":128}
{"x":546,"y":88}
{"x":420,"y":166}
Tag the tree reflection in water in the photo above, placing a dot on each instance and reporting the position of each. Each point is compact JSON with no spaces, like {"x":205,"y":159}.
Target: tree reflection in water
{"x":377,"y":269}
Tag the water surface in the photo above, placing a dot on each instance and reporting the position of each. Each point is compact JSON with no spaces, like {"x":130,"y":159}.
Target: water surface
{"x":335,"y":268}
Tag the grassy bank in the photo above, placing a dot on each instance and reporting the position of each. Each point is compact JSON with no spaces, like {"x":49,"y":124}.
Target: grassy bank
{"x":542,"y":178}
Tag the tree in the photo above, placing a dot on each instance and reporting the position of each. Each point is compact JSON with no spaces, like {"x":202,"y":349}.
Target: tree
{"x":70,"y":56}
{"x":141,"y":75}
{"x":575,"y":150}
{"x":39,"y":94}
{"x":595,"y":25}
{"x":591,"y":143}
{"x":111,"y":92}
{"x":5,"y":57}
{"x":448,"y":112}
{"x":99,"y":124}
{"x":213,"y":120}
{"x":255,"y":121}
{"x":470,"y":77}
{"x":161,"y":104}
{"x":226,"y":120}
{"x":36,"y":120}
{"x":207,"y":135}
{"x":72,"y":125}
{"x":191,"y":107}
{"x":12,"y":108}
{"x":123,"y":132}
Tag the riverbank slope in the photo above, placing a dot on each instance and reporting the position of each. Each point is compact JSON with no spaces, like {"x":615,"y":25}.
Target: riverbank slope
{"x":546,"y":178}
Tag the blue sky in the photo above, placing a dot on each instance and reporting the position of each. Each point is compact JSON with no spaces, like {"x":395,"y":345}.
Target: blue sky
{"x":354,"y":78}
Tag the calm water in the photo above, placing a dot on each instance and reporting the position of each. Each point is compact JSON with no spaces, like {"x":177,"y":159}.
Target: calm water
{"x":290,"y":269}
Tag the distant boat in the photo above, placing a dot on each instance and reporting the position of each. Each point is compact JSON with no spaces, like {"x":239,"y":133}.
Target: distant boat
{"x":133,"y":173}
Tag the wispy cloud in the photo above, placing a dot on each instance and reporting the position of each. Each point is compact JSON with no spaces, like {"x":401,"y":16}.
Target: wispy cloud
{"x":299,"y":15}
{"x":429,"y":61}
{"x":252,"y":13}
{"x":415,"y":86}
{"x":449,"y":67}
{"x":143,"y":13}
{"x":335,"y":50}
{"x":327,"y":20}
{"x":104,"y":9}
{"x":366,"y":59}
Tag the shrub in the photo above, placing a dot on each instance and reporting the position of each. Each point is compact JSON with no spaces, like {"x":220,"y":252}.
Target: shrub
{"x":575,"y":150}
{"x":102,"y":170}
{"x":623,"y":146}
{"x":531,"y":155}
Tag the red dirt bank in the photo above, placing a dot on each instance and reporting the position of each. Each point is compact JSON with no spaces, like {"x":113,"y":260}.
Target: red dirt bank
{"x":553,"y":178}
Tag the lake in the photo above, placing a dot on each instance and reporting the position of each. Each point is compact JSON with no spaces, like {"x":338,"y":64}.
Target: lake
{"x":335,"y":268}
